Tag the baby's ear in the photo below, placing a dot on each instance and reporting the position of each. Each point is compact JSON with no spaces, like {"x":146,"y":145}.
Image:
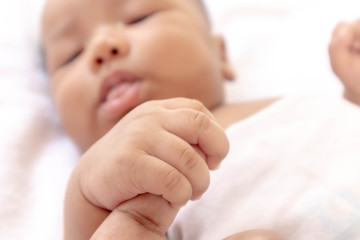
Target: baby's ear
{"x":227,"y":70}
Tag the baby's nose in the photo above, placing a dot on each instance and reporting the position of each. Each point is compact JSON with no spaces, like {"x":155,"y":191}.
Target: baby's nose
{"x":106,"y":55}
{"x":106,"y":47}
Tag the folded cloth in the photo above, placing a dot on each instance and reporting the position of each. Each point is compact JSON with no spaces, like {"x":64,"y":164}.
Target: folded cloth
{"x":293,"y":168}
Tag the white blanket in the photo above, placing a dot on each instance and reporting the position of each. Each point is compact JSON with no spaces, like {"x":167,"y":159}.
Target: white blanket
{"x":35,"y":156}
{"x":293,"y":168}
{"x":278,"y":47}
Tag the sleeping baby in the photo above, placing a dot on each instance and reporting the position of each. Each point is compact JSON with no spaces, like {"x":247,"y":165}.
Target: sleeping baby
{"x":139,"y":87}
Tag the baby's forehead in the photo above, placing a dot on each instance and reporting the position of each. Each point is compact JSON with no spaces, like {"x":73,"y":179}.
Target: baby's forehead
{"x":68,"y":5}
{"x":58,"y":13}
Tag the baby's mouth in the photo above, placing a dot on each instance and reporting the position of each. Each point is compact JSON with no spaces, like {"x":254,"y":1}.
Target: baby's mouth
{"x":119,"y":93}
{"x":116,"y":85}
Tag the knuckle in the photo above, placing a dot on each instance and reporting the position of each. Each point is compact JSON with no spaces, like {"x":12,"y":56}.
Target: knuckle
{"x":197,"y":105}
{"x":172,"y":180}
{"x":189,"y":159}
{"x":201,"y":120}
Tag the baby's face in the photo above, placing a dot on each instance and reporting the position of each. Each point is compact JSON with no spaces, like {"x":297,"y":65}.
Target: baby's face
{"x":105,"y":57}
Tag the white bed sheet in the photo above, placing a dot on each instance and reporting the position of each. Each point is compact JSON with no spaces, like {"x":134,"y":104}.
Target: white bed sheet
{"x":277,"y":47}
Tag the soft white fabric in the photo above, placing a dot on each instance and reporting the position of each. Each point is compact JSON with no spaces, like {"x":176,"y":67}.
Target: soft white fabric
{"x":276,"y":46}
{"x":280,"y":46}
{"x":293,"y":168}
{"x":35,"y":156}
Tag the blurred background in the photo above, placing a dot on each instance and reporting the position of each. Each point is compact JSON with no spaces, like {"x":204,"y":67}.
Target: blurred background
{"x":277,"y":48}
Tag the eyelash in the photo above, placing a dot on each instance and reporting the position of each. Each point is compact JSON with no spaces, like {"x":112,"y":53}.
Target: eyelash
{"x":73,"y":57}
{"x":140,"y":19}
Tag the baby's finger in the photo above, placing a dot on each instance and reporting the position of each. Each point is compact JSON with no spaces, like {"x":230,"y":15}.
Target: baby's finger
{"x":177,"y":103}
{"x":134,"y":174}
{"x":184,"y":157}
{"x":151,"y":175}
{"x":198,"y":129}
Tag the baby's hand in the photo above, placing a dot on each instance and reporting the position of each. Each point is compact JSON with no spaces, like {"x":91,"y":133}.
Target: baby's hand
{"x":165,"y":148}
{"x":162,"y":147}
{"x":344,"y":51}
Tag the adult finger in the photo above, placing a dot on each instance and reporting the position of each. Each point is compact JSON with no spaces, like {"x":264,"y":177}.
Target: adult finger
{"x":145,"y":217}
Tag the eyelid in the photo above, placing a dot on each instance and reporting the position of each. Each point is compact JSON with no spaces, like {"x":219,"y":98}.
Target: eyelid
{"x":75,"y":55}
{"x":137,"y":20}
{"x":141,"y":18}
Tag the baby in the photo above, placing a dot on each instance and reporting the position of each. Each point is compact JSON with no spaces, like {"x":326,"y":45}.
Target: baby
{"x":344,"y":52}
{"x":139,"y":88}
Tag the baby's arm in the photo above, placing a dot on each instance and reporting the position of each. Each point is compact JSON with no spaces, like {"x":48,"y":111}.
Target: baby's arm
{"x":344,"y":51}
{"x":165,"y":148}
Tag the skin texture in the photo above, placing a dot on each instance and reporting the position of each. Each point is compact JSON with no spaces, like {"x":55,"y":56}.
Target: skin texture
{"x":139,"y":88}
